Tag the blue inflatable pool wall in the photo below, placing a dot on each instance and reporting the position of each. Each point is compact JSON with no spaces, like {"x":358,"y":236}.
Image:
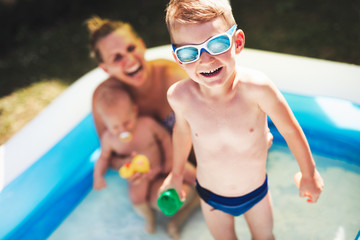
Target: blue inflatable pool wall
{"x":35,"y":203}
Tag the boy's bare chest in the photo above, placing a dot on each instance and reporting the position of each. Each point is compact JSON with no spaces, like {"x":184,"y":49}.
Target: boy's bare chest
{"x":232,"y":122}
{"x":230,"y":113}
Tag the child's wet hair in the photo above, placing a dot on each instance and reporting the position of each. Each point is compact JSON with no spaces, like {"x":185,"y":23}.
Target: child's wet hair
{"x":99,"y":28}
{"x":108,"y":94}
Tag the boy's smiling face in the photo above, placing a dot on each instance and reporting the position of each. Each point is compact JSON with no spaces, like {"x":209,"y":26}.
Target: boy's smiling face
{"x":209,"y":70}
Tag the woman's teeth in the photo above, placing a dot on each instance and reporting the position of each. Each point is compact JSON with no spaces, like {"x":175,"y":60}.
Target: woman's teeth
{"x":211,"y":73}
{"x":133,"y":70}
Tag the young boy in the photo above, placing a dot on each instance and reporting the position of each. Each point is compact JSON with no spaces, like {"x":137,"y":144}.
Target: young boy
{"x":221,"y":109}
{"x":127,"y":134}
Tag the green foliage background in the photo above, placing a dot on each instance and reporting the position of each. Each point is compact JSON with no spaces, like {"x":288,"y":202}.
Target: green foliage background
{"x":47,"y":39}
{"x":44,"y":43}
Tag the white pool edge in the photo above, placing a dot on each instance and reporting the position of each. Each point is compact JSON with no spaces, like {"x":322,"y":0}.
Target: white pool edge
{"x":293,"y":74}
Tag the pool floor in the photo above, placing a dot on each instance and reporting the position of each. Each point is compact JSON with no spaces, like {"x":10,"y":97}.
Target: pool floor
{"x":108,"y":214}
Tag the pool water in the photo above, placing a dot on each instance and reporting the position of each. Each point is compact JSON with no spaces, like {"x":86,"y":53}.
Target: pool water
{"x":108,"y":214}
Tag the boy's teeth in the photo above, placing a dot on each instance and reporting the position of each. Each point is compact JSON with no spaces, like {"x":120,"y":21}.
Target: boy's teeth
{"x":211,"y":72}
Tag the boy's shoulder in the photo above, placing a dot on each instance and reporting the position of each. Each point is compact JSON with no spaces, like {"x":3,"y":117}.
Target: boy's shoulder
{"x":255,"y":85}
{"x":180,"y":87}
{"x":251,"y":76}
{"x":181,"y":93}
{"x":251,"y":79}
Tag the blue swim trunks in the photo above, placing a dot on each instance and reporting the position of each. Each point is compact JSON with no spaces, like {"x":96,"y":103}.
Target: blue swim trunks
{"x":233,"y":205}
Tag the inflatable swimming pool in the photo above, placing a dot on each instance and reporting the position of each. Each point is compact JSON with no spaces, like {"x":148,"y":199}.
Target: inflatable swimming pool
{"x":46,"y":168}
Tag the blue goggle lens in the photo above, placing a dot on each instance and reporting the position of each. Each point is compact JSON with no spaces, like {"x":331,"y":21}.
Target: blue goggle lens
{"x":219,"y":44}
{"x":187,"y":54}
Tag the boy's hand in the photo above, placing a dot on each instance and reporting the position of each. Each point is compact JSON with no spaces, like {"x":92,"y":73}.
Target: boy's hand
{"x":310,"y":188}
{"x":175,"y":182}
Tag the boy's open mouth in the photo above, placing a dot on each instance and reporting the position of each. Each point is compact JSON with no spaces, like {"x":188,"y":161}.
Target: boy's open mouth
{"x":134,"y":71}
{"x":212,"y":73}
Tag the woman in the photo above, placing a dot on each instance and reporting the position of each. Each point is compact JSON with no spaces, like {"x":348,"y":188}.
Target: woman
{"x":120,"y":52}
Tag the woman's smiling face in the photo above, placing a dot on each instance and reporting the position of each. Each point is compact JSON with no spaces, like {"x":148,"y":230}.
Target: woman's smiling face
{"x":123,"y":57}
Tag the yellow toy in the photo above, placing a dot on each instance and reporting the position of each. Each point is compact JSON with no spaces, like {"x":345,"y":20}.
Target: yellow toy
{"x":139,"y":163}
{"x":126,"y":170}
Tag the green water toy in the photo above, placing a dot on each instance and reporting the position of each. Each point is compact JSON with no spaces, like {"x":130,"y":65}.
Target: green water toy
{"x":169,"y":202}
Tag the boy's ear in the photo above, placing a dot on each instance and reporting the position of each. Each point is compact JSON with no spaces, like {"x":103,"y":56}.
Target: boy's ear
{"x":239,"y":41}
{"x":176,"y":60}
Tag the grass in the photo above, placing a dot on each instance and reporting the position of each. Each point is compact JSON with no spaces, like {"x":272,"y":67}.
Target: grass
{"x":21,"y":106}
{"x":47,"y":52}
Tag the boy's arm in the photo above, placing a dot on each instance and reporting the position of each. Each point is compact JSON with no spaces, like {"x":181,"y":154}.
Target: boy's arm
{"x":102,"y":163}
{"x":165,"y":140}
{"x":274,"y":104}
{"x":182,"y":143}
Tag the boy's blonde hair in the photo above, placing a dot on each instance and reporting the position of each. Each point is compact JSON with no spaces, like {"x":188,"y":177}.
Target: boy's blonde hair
{"x":100,"y":28}
{"x":197,"y":11}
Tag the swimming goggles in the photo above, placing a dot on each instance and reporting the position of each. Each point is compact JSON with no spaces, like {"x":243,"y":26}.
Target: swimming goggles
{"x":216,"y":45}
